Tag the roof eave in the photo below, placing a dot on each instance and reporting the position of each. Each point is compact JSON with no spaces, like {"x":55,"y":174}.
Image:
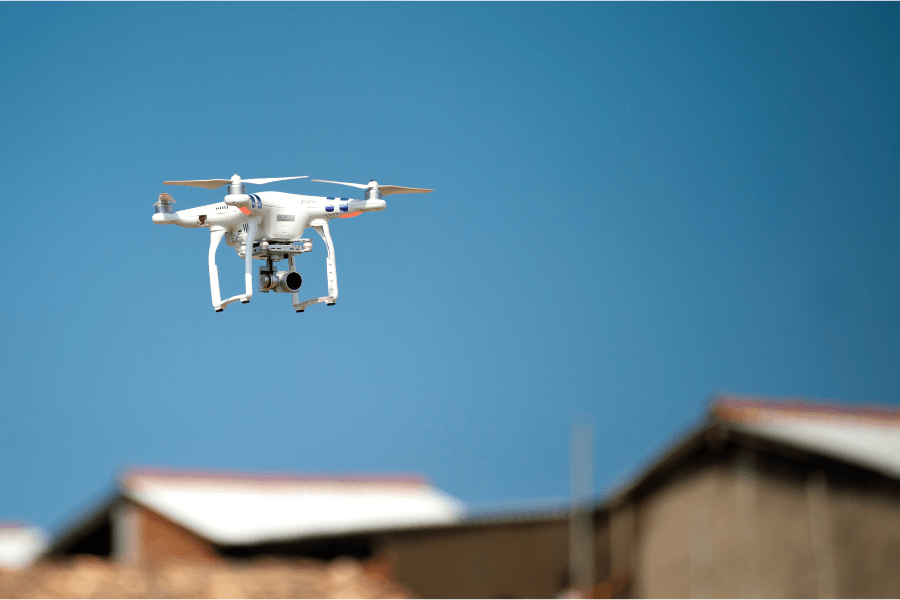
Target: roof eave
{"x":685,"y":445}
{"x":716,"y":433}
{"x":91,"y":518}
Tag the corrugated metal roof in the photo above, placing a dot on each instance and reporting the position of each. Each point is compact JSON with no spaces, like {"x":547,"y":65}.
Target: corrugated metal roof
{"x":20,"y":544}
{"x":865,"y":436}
{"x":235,"y":509}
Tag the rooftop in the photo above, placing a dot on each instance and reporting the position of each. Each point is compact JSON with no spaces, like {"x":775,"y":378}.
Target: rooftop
{"x":20,"y":544}
{"x":866,"y":437}
{"x":237,"y":508}
{"x":231,"y":508}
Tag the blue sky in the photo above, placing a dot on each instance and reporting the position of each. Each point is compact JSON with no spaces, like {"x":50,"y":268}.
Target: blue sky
{"x":635,"y":206}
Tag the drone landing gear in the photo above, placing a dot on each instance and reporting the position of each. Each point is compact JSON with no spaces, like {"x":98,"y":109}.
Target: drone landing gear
{"x":216,"y":234}
{"x":321,"y":226}
{"x":267,"y":251}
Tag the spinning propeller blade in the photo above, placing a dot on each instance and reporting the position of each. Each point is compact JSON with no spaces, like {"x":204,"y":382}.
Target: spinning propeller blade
{"x":209,"y":184}
{"x":212,"y":184}
{"x":356,"y":185}
{"x":386,"y":190}
{"x":270,"y":180}
{"x":165,"y":198}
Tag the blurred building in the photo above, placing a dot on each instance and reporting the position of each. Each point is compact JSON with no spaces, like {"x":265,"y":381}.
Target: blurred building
{"x":519,"y":555}
{"x":761,"y":499}
{"x":764,"y":499}
{"x":166,"y":515}
{"x":20,"y":544}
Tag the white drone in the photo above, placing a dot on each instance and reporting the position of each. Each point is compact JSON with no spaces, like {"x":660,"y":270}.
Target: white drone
{"x":271,"y":225}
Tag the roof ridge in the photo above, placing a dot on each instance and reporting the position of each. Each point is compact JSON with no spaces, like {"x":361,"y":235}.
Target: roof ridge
{"x":731,"y":407}
{"x":131,"y":475}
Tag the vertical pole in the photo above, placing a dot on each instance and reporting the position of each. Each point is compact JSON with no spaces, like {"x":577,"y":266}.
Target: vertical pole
{"x":581,"y":530}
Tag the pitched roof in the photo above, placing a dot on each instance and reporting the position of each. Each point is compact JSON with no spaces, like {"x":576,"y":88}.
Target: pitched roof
{"x":20,"y":544}
{"x":867,"y":437}
{"x":231,"y":508}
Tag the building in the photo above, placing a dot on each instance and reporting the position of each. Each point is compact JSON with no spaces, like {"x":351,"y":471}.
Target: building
{"x":159,"y":517}
{"x":166,"y":515}
{"x":502,"y":556}
{"x":762,"y":498}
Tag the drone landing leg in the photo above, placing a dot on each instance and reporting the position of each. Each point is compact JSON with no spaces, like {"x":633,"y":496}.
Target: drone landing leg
{"x":215,"y":236}
{"x":321,"y":226}
{"x":248,"y":261}
{"x":295,"y":297}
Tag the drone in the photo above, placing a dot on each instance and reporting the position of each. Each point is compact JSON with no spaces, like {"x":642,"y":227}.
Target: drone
{"x":269,"y":226}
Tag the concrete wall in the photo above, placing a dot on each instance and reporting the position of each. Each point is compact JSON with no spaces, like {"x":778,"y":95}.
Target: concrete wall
{"x":779,"y":559}
{"x":512,"y":560}
{"x":865,"y":524}
{"x":820,"y":529}
{"x":750,"y":524}
{"x":740,"y":527}
{"x":677,"y":545}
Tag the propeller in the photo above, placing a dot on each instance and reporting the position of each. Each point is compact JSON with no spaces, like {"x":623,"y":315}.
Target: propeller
{"x":164,"y":204}
{"x":386,"y":190}
{"x":165,"y":199}
{"x":212,"y":184}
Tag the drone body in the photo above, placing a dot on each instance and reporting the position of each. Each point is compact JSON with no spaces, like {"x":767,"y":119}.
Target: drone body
{"x":271,"y":225}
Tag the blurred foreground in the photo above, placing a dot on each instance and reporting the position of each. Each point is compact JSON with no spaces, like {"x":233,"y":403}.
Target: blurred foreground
{"x":762,"y":499}
{"x":93,"y":577}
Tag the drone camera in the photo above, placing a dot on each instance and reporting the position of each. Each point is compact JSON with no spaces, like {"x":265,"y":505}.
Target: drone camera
{"x":281,"y":281}
{"x":288,"y":281}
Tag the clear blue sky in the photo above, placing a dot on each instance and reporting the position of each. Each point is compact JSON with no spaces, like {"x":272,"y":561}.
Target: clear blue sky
{"x":635,"y":206}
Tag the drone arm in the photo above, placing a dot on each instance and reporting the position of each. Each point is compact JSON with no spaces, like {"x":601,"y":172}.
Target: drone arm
{"x":321,"y":226}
